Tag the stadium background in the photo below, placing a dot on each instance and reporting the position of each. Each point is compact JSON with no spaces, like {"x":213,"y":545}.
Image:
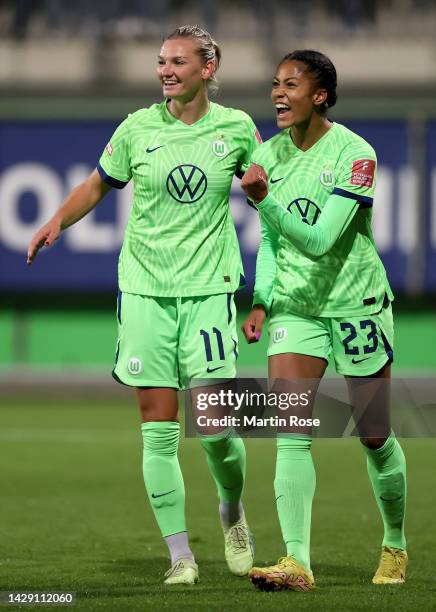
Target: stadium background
{"x":69,"y":441}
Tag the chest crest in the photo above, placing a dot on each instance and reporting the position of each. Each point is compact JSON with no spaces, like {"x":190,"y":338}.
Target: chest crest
{"x":327,"y":176}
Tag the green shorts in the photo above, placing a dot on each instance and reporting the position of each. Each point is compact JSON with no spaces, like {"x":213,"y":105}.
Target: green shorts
{"x":166,"y":342}
{"x":360,"y":346}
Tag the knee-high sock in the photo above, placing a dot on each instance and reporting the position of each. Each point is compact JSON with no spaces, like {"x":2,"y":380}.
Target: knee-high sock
{"x":294,"y":487}
{"x":387,"y":473}
{"x":226,"y":459}
{"x":162,"y":475}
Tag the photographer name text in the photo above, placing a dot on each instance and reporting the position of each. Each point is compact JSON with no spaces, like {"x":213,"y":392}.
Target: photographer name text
{"x":253,"y":421}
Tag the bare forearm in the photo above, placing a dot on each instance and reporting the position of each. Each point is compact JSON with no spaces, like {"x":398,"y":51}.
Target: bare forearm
{"x":75,"y":206}
{"x":81,"y":201}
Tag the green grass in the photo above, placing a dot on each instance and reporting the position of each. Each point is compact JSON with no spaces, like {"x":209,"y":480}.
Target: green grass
{"x":74,"y":516}
{"x":65,"y":339}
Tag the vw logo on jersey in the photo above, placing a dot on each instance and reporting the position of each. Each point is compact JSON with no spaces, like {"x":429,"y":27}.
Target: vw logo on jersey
{"x":186,"y":183}
{"x":220,"y":148}
{"x":307,"y":210}
{"x":327,"y":178}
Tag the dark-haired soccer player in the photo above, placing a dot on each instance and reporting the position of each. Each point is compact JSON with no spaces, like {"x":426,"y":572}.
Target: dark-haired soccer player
{"x":179,"y":267}
{"x":322,"y":283}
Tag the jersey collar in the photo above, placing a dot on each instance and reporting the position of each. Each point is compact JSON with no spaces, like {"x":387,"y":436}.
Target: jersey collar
{"x":180,"y":123}
{"x":314,"y":146}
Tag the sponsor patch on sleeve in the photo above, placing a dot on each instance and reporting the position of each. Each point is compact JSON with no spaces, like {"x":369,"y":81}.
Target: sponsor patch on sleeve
{"x":362,"y":172}
{"x":109,"y":148}
{"x":258,"y":136}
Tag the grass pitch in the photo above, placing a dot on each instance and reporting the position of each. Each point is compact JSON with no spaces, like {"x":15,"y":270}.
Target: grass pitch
{"x":74,"y":517}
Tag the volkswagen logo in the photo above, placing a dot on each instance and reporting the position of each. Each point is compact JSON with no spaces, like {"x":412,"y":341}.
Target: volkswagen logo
{"x":186,"y":183}
{"x":307,"y":210}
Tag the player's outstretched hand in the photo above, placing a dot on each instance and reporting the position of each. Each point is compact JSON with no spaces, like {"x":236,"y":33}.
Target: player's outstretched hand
{"x":255,"y":183}
{"x":252,"y":326}
{"x":48,"y":234}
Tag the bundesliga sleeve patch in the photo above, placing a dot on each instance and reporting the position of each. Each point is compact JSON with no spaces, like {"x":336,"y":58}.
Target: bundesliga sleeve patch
{"x":258,"y":136}
{"x":109,"y":148}
{"x":362,"y":172}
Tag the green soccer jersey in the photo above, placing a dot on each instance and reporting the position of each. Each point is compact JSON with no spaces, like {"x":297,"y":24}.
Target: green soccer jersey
{"x":180,"y":239}
{"x":329,"y":266}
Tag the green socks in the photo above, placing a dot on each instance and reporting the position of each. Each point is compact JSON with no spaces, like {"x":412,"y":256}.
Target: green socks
{"x":387,"y":473}
{"x":162,"y":476}
{"x":294,"y":487}
{"x":226,"y":459}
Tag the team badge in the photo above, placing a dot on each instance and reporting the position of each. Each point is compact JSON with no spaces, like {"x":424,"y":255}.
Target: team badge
{"x":220,"y":148}
{"x":279,"y":335}
{"x":134,"y":366}
{"x":327,"y":178}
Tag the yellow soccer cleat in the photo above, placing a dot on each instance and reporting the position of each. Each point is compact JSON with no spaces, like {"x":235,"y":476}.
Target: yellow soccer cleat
{"x":392,"y":566}
{"x":288,"y":574}
{"x":238,"y":545}
{"x":183,"y":571}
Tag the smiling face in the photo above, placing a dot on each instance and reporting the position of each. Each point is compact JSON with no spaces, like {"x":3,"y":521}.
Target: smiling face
{"x":295,"y":95}
{"x":181,"y":70}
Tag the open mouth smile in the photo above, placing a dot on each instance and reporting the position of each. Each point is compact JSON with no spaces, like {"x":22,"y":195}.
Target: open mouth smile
{"x":282,"y":109}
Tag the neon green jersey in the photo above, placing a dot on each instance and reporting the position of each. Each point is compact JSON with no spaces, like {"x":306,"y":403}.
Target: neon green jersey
{"x":180,"y":239}
{"x":316,"y":227}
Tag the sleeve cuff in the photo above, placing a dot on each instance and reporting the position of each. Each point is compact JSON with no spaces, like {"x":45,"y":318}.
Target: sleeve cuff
{"x":258,"y":300}
{"x":110,"y":180}
{"x":365,"y":200}
{"x":269,"y":200}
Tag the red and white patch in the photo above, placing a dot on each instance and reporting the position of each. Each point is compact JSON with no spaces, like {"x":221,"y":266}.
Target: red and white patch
{"x":258,"y":136}
{"x":109,"y":148}
{"x":362,"y":172}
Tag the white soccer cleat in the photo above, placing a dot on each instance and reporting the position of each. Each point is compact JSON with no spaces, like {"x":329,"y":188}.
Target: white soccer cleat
{"x":183,"y":571}
{"x":238,"y":545}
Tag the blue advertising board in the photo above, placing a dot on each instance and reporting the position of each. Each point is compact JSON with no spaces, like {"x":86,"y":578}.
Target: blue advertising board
{"x":40,"y":162}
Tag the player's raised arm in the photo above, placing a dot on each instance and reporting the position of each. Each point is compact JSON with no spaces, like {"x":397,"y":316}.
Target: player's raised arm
{"x":75,"y":206}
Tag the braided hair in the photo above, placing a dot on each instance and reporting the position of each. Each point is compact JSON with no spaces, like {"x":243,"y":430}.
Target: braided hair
{"x":322,"y":70}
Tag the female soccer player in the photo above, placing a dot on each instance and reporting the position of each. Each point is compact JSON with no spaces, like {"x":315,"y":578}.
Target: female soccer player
{"x":321,"y":281}
{"x":178,"y":269}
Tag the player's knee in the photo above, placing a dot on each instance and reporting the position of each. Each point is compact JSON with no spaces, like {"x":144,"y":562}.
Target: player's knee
{"x":151,"y":414}
{"x":157,"y":405}
{"x":373,"y":443}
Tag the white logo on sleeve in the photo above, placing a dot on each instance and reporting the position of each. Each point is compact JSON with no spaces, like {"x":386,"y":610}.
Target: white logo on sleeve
{"x":134,"y":366}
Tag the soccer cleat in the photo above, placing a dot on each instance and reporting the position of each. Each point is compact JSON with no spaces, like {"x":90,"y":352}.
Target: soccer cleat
{"x":392,"y":566}
{"x":288,"y":574}
{"x":183,"y":571}
{"x":238,"y":545}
